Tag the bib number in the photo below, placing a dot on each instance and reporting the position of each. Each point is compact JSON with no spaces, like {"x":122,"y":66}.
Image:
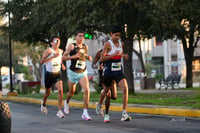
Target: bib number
{"x":116,"y":66}
{"x":80,"y":64}
{"x":56,"y":65}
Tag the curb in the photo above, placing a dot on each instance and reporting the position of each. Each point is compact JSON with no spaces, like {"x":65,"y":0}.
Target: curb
{"x":118,"y":107}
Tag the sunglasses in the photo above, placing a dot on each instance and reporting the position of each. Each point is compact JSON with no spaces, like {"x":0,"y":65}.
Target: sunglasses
{"x":55,"y":41}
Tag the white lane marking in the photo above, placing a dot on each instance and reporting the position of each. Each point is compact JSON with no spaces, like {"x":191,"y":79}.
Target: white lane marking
{"x":65,"y":131}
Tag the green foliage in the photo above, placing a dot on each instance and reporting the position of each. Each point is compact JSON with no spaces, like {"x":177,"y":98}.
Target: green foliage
{"x":97,"y":87}
{"x":34,"y":21}
{"x":18,"y":68}
{"x":37,"y":88}
{"x":178,"y":19}
{"x":159,"y":76}
{"x":148,"y":69}
{"x":190,"y":99}
{"x":4,"y":54}
{"x":21,"y":69}
{"x":31,"y":90}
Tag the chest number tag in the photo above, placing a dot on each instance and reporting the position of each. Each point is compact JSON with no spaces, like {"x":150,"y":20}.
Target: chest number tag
{"x":80,"y":64}
{"x":116,"y":66}
{"x":55,"y":64}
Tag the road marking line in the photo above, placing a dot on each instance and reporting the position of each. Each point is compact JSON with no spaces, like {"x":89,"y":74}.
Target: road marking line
{"x":65,"y":131}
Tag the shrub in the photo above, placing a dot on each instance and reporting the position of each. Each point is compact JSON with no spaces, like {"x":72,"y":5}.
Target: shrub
{"x":97,"y":87}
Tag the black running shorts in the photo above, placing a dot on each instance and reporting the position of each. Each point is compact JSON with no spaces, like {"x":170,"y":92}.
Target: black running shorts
{"x":51,"y":78}
{"x":107,"y":79}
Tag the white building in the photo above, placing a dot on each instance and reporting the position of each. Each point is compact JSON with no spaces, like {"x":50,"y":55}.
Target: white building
{"x":167,"y":57}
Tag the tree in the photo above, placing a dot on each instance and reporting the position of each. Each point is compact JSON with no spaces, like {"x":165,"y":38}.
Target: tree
{"x":4,"y":51}
{"x":36,"y":21}
{"x":178,"y":19}
{"x":3,"y":54}
{"x":132,"y":17}
{"x":32,"y":52}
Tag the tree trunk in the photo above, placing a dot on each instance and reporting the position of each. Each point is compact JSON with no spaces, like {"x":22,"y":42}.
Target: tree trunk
{"x":37,"y":71}
{"x":63,"y":42}
{"x":128,"y":69}
{"x":188,"y":53}
{"x":189,"y":74}
{"x":142,"y":65}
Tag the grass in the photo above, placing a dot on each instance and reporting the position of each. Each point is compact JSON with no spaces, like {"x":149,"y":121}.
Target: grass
{"x":189,"y":100}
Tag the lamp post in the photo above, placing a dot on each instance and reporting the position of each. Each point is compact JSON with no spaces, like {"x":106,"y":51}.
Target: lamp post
{"x":10,"y":57}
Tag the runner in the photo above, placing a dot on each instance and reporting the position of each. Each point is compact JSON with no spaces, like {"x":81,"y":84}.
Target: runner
{"x":111,"y":56}
{"x":113,"y":93}
{"x":77,"y":73}
{"x":52,"y":57}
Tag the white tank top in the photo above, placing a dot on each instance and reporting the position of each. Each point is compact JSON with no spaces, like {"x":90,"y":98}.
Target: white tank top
{"x":114,"y":48}
{"x":55,"y":64}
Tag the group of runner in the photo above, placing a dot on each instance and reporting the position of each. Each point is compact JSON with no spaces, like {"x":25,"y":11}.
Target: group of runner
{"x":110,"y":73}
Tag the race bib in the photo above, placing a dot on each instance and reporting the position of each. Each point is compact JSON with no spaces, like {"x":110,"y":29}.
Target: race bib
{"x":116,"y":66}
{"x":56,"y":65}
{"x":80,"y":64}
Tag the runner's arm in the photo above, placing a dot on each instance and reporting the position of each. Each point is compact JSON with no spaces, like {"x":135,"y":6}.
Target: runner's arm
{"x":87,"y":57}
{"x":67,"y":52}
{"x":106,"y":49}
{"x":45,"y":56}
{"x":96,"y":58}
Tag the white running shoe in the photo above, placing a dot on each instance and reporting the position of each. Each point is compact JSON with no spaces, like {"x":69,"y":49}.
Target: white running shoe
{"x":43,"y":108}
{"x":125,"y":117}
{"x":106,"y":118}
{"x":86,"y":117}
{"x":99,"y":110}
{"x":60,"y":114}
{"x":66,"y":108}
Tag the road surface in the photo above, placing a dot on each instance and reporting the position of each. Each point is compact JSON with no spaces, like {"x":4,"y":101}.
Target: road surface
{"x":27,"y":118}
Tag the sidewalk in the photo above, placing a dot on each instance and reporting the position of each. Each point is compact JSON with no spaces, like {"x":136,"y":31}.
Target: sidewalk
{"x":133,"y":108}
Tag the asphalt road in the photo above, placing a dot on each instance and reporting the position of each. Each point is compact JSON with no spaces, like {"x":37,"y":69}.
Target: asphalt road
{"x":27,"y":118}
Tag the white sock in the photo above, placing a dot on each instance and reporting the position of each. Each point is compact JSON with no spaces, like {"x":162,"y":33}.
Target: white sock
{"x":124,"y":112}
{"x":85,"y":111}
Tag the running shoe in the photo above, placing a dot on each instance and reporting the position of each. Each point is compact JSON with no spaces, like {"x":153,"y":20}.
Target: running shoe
{"x":99,"y":110}
{"x":86,"y":117}
{"x":106,"y":118}
{"x":66,"y":108}
{"x":43,"y":109}
{"x":60,"y":114}
{"x":125,"y":117}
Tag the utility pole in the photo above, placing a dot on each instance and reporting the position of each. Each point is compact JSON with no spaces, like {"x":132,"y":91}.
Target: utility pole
{"x":10,"y":52}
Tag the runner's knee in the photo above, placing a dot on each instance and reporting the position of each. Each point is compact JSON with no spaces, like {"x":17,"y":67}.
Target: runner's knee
{"x":60,"y":90}
{"x":70,"y":94}
{"x":86,"y":91}
{"x":125,"y":90}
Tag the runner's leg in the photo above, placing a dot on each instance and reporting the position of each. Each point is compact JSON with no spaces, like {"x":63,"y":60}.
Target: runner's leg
{"x":59,"y":86}
{"x":71,"y":91}
{"x":124,"y":86}
{"x":85,"y":85}
{"x":113,"y":89}
{"x":46,"y":95}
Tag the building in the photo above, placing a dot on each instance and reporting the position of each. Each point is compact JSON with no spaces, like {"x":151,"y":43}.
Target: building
{"x":166,"y":57}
